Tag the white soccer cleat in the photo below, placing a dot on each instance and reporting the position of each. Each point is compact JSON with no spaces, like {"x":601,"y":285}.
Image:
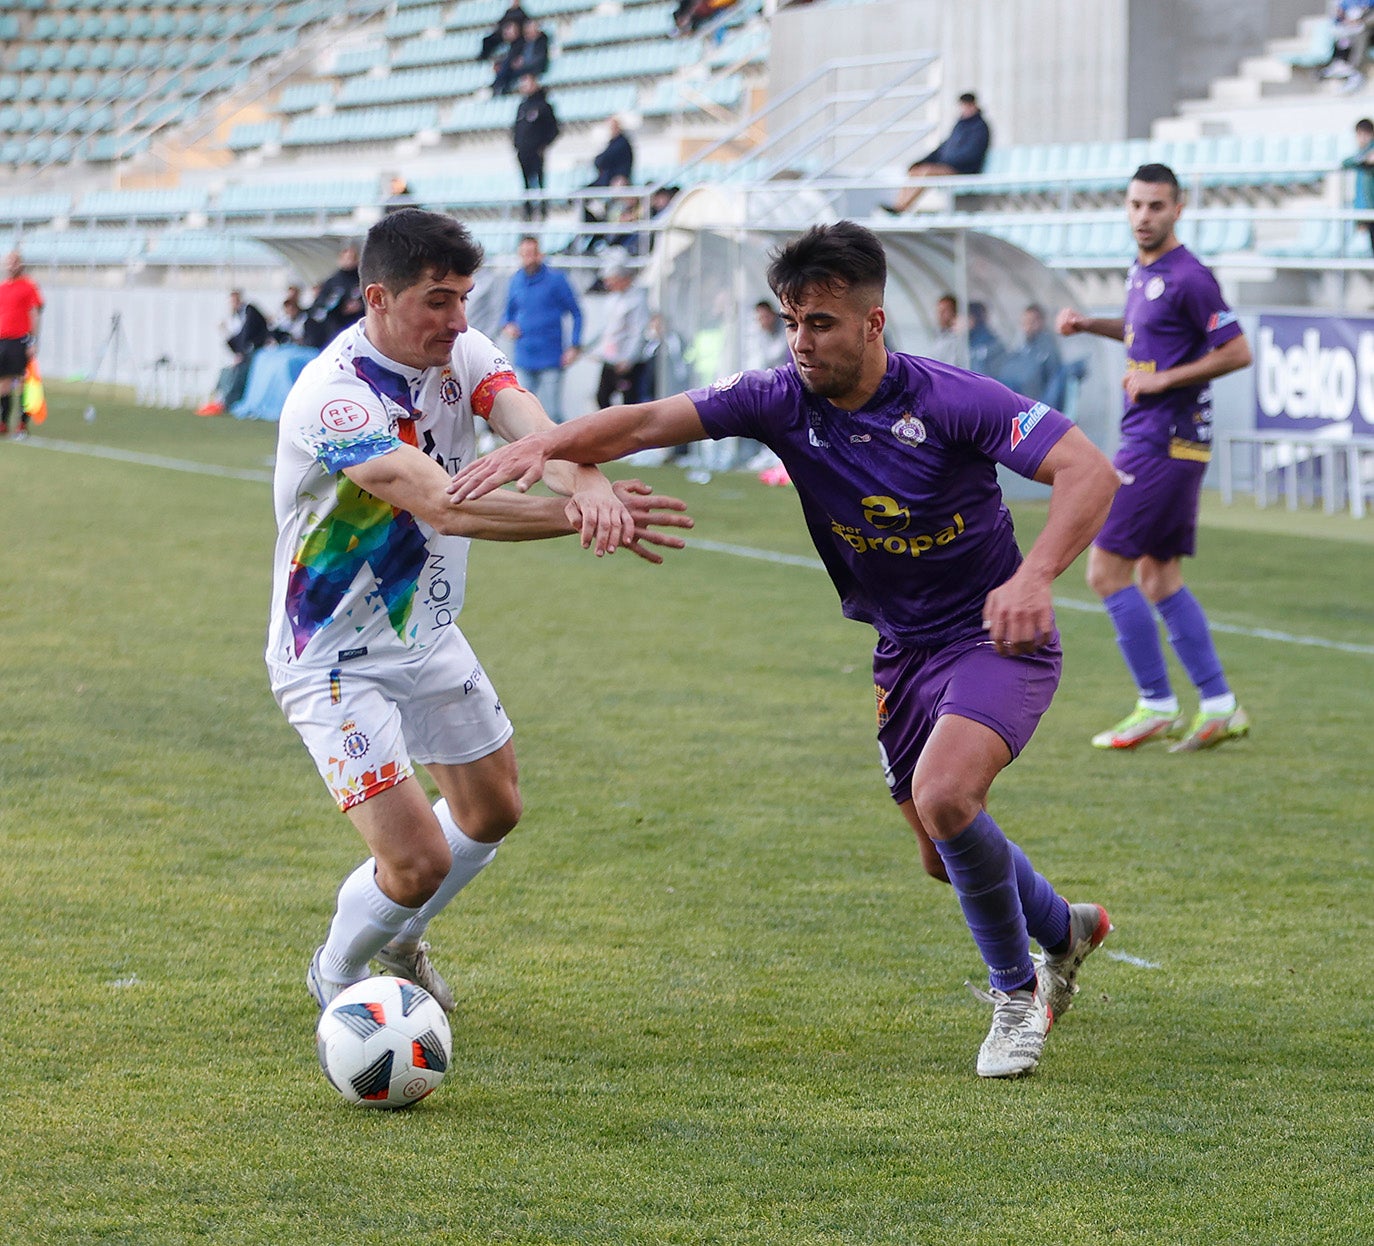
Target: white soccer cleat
{"x":1139,"y":727}
{"x":414,"y":965}
{"x":321,"y":989}
{"x":1089,"y":925}
{"x":1020,"y":1021}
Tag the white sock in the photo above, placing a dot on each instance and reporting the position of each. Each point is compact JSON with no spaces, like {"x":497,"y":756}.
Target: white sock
{"x":1218,"y":705}
{"x":1160,"y":705}
{"x":365,"y":920}
{"x":469,"y":859}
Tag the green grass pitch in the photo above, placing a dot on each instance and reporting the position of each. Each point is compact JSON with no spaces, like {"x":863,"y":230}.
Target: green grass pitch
{"x":706,"y":994}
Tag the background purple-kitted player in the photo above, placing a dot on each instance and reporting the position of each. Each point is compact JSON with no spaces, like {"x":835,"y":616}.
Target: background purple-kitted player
{"x":894,"y":459}
{"x":1180,"y":336}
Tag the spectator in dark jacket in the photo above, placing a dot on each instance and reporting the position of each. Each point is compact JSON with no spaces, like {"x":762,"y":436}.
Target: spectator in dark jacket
{"x":505,"y":65}
{"x":533,"y":57}
{"x":614,"y":167}
{"x":964,"y":152}
{"x":536,"y":127}
{"x":492,"y":41}
{"x":245,"y":333}
{"x":338,"y":303}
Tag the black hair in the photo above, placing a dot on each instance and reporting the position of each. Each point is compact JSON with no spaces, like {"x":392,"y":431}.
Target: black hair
{"x":840,"y":255}
{"x":1364,"y":123}
{"x":1158,"y":175}
{"x":401,"y":247}
{"x":968,"y":97}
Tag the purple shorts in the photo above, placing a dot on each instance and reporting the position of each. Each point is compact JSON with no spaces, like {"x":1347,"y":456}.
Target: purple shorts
{"x":1154,"y":512}
{"x":916,"y":687}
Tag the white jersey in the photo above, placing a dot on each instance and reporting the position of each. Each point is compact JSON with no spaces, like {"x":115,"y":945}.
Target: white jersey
{"x":354,"y":576}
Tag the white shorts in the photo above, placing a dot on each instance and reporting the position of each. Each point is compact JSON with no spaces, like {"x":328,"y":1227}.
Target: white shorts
{"x":363,"y":722}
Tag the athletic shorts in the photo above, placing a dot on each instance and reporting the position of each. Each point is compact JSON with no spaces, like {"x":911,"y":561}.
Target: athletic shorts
{"x":364,"y":722}
{"x":1154,"y":512}
{"x":14,"y":357}
{"x":916,"y":687}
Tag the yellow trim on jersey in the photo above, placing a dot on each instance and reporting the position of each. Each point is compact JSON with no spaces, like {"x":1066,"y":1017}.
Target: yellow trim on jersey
{"x":1194,"y":451}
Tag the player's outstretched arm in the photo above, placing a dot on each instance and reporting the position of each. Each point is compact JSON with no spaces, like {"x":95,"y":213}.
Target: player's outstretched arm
{"x":1019,"y":614}
{"x":649,"y":512}
{"x":1069,"y":321}
{"x":598,"y":438}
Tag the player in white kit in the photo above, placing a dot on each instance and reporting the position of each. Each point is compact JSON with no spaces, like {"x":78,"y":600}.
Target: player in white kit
{"x":363,"y":652}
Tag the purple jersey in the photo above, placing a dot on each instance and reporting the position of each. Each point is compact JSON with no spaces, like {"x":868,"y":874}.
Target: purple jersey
{"x":1174,"y":315}
{"x":901,"y":496}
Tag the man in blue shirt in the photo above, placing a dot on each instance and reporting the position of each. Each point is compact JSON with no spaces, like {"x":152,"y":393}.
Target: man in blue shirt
{"x":538,"y":300}
{"x":964,"y":151}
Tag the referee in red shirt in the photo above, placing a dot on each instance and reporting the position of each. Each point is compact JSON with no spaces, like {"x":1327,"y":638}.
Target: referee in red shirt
{"x":20,"y":305}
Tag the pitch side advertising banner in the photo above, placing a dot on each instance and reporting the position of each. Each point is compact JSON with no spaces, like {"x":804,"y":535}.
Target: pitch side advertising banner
{"x":1315,"y":374}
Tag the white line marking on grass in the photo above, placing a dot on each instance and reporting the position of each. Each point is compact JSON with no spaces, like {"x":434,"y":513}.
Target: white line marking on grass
{"x":1128,"y":959}
{"x":149,"y":460}
{"x":711,"y":547}
{"x":1060,"y":603}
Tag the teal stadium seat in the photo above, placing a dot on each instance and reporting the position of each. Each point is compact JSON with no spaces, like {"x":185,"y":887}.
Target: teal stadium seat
{"x":406,"y":22}
{"x":304,"y":96}
{"x":250,"y":136}
{"x":359,"y":60}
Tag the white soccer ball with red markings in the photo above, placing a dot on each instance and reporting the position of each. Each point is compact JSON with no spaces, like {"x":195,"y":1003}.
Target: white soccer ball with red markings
{"x":384,"y":1043}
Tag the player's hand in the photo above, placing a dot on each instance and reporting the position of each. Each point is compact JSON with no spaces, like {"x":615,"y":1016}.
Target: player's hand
{"x":1068,"y":322}
{"x":521,"y":461}
{"x":1138,"y":383}
{"x":652,"y":512}
{"x":1018,"y":616}
{"x":602,"y":519}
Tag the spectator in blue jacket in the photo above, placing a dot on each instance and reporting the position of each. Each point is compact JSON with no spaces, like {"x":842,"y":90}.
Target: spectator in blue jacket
{"x":964,"y":152}
{"x":1363,"y":164}
{"x":538,"y":301}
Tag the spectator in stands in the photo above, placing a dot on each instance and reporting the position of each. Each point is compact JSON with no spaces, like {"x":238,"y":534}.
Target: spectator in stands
{"x":246,"y":331}
{"x":492,"y":41}
{"x":338,"y":303}
{"x":663,"y":355}
{"x":985,"y":349}
{"x":659,"y":201}
{"x":691,"y":15}
{"x":506,"y":64}
{"x":1363,"y":164}
{"x":288,"y":329}
{"x":1031,"y":368}
{"x":398,"y":195}
{"x":766,"y":344}
{"x":536,"y":127}
{"x":539,"y":304}
{"x":948,"y":346}
{"x":621,"y":345}
{"x":21,"y":305}
{"x":533,"y":57}
{"x":964,"y":152}
{"x":1354,"y":23}
{"x":614,"y":166}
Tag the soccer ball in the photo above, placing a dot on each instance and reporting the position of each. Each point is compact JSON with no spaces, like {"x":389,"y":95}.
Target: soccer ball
{"x":384,"y":1043}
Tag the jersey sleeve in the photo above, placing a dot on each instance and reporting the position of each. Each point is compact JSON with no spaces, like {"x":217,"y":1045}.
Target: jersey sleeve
{"x":339,"y":426}
{"x":1008,"y":427}
{"x":1204,"y":306}
{"x":735,"y":405}
{"x":483,"y":371}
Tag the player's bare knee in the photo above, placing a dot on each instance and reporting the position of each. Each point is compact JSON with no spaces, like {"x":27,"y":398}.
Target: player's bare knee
{"x":945,"y":806}
{"x":496,"y":817}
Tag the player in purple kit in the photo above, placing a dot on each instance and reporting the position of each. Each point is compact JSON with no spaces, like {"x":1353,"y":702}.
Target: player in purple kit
{"x":1180,"y":335}
{"x":895,"y":463}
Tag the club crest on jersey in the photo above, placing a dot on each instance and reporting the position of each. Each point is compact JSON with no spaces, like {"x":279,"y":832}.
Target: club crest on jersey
{"x":909,"y":430}
{"x":1023,"y":424}
{"x":343,"y":416}
{"x":1154,"y":288}
{"x":449,"y":389}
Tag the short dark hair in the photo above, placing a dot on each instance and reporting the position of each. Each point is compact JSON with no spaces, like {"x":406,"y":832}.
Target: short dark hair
{"x":524,"y":238}
{"x":968,"y":97}
{"x":842,"y":254}
{"x":402,"y":246}
{"x":1365,"y":124}
{"x":1158,"y":175}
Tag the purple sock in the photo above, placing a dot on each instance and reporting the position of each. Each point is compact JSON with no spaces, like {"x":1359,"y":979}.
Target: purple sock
{"x":1046,"y":911}
{"x":1192,"y":641}
{"x":980,"y":867}
{"x":1138,"y":639}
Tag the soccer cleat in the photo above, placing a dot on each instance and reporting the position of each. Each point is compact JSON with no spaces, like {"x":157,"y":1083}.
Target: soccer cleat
{"x":1209,"y":730}
{"x":1089,"y":925}
{"x":321,"y":989}
{"x":415,"y":966}
{"x":1140,"y":725}
{"x":1020,"y":1021}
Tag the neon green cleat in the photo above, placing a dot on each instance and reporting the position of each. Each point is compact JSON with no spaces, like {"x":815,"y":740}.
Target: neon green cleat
{"x":1140,"y":726}
{"x":1209,"y":730}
